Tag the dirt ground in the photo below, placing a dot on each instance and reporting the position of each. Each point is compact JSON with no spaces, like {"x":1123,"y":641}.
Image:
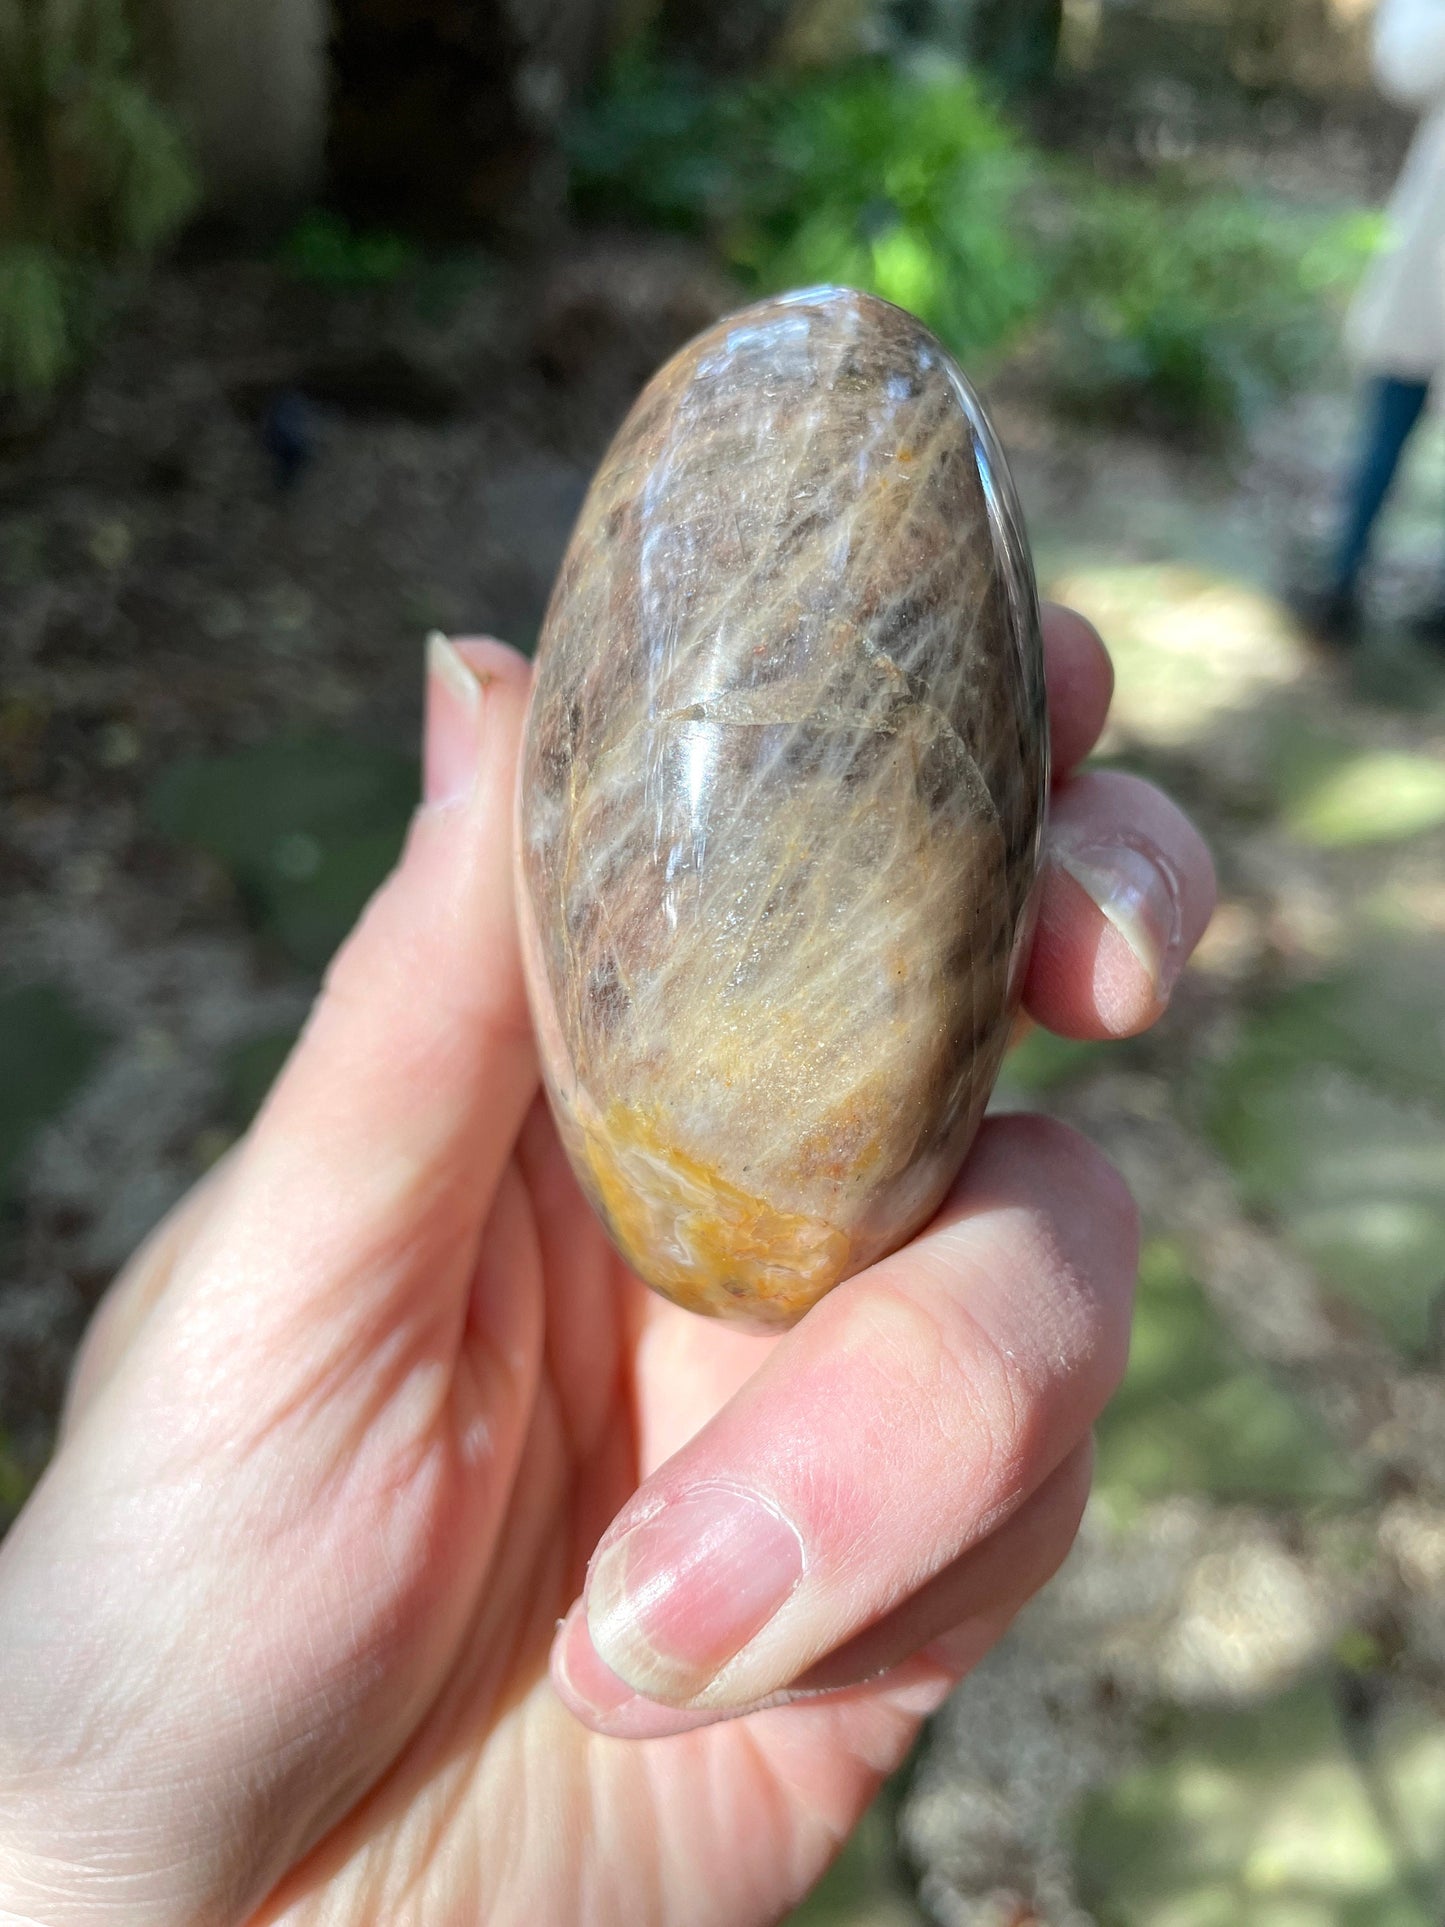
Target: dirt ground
{"x":217,"y":566}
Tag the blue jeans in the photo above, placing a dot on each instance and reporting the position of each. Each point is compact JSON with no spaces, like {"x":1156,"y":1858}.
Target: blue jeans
{"x":1392,"y":409}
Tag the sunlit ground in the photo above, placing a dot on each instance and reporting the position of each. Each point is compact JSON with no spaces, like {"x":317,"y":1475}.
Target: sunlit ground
{"x":1229,"y":1711}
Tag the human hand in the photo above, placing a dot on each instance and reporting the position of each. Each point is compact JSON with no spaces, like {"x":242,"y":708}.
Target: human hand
{"x":279,"y":1628}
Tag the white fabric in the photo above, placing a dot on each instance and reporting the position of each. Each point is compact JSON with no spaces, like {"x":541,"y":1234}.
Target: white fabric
{"x":1397,"y":322}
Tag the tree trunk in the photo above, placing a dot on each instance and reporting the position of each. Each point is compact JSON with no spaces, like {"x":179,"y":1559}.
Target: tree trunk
{"x":1017,"y":41}
{"x":741,"y":35}
{"x":249,"y":84}
{"x":728,"y":38}
{"x":444,"y":112}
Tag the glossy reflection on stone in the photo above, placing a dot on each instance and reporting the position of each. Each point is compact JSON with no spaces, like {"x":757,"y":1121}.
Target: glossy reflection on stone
{"x":782,"y":797}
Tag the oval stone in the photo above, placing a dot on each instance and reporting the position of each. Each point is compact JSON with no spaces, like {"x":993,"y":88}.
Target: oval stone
{"x":781,"y":804}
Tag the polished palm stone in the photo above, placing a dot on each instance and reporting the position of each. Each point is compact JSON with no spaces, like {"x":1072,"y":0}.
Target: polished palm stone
{"x":781,"y":804}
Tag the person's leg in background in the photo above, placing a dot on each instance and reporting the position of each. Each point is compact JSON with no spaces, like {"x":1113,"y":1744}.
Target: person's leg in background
{"x":1393,"y":408}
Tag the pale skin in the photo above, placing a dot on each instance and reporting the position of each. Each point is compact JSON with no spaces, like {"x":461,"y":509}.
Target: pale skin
{"x":279,"y":1630}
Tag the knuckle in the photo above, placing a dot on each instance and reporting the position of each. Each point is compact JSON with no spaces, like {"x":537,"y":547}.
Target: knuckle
{"x":949,"y":1377}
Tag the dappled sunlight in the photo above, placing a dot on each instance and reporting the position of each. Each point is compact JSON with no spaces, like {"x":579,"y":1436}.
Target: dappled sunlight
{"x":1371,"y":797}
{"x":1191,"y":650}
{"x":1250,"y":1617}
{"x":1407,"y":905}
{"x":1387,"y":1253}
{"x":1341,"y":1146}
{"x":1235,"y":944}
{"x":1270,"y":1817}
{"x":1326,"y":1101}
{"x":1236,"y":1524}
{"x":1195,"y":1414}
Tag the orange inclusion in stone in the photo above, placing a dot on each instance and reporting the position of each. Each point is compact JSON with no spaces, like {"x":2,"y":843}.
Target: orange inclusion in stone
{"x":711,"y":1245}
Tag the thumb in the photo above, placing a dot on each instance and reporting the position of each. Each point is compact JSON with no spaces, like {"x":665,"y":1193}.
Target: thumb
{"x":374,"y":1163}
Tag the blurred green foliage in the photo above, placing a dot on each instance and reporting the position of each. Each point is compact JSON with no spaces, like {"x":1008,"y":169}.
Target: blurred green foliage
{"x":1187,"y":310}
{"x":1179,"y":308}
{"x":1196,"y":1414}
{"x":865,"y":1886}
{"x":47,"y":1049}
{"x":250,"y":1071}
{"x":1329,"y":1111}
{"x":1275,"y":1815}
{"x":16,"y":1482}
{"x":1017,"y":41}
{"x":306,"y":828}
{"x":43,"y":313}
{"x":328,"y":251}
{"x":903,"y":181}
{"x":1043,"y":1062}
{"x":1367,"y":796}
{"x":92,"y":170}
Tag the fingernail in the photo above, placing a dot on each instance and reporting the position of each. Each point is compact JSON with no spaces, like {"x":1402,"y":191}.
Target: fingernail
{"x":682,"y":1593}
{"x":453,"y":725}
{"x":609,"y":1705}
{"x":1138,"y":891}
{"x":589,"y":1682}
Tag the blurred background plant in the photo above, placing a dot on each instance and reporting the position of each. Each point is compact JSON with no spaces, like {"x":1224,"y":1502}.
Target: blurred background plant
{"x":1187,"y":309}
{"x":324,"y":248}
{"x":904,"y":181}
{"x":92,"y":172}
{"x":1178,"y":305}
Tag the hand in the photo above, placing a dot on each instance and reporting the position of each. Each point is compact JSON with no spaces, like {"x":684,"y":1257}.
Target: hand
{"x":278,"y":1630}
